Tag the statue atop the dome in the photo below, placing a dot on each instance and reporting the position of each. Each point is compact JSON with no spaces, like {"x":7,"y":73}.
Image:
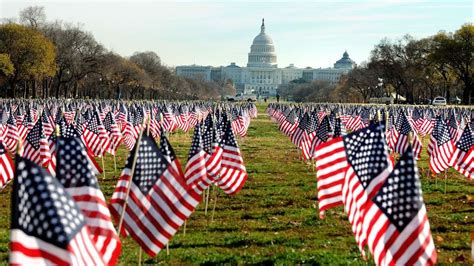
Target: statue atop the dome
{"x":263,"y":26}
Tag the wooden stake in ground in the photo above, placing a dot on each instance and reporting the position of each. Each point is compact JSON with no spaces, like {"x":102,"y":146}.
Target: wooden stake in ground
{"x":140,"y":256}
{"x":115,"y":163}
{"x":445,"y":179}
{"x":103,"y":166}
{"x":184,"y":228}
{"x":207,"y":199}
{"x":216,"y":192}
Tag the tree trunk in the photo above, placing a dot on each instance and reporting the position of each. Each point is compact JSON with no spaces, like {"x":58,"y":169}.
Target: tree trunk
{"x":11,"y":92}
{"x":33,"y":88}
{"x":468,"y":91}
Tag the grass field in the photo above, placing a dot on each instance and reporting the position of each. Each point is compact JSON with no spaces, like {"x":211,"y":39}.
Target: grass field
{"x":274,"y":219}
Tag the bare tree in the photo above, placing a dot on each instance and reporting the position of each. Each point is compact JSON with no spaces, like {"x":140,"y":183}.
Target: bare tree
{"x":33,"y":16}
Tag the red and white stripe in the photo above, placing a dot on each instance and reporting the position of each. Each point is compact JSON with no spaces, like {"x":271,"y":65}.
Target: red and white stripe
{"x":440,"y":156}
{"x":463,"y":162}
{"x":6,"y":169}
{"x":153,"y":219}
{"x":331,"y":165}
{"x":93,"y":205}
{"x":413,"y":246}
{"x":233,"y":173}
{"x":29,"y":250}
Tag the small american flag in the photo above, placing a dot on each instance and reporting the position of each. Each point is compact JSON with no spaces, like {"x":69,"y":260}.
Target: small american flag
{"x":368,"y":167}
{"x":95,"y":135}
{"x":75,"y":173}
{"x":398,"y":230}
{"x":167,"y":151}
{"x":159,"y":201}
{"x":331,"y":166}
{"x":233,"y":172}
{"x":440,"y":148}
{"x":113,"y":131}
{"x":401,"y":140}
{"x":196,"y":172}
{"x":36,"y":146}
{"x":213,"y":147}
{"x":11,"y":138}
{"x":463,"y":155}
{"x":6,"y":167}
{"x":47,"y":226}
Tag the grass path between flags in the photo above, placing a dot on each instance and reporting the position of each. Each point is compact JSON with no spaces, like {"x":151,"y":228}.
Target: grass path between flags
{"x":274,"y":218}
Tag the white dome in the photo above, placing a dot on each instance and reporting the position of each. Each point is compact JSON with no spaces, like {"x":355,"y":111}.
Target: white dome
{"x":263,"y":39}
{"x":262,"y":51}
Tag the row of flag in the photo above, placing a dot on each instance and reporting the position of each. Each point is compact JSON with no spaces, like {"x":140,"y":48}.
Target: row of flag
{"x":450,"y":130}
{"x":60,"y":215}
{"x":382,"y":198}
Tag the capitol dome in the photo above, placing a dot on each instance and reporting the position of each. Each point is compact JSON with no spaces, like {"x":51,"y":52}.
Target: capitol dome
{"x":345,"y":62}
{"x":262,"y":51}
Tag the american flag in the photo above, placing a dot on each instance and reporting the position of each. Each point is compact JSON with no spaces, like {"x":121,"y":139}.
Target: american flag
{"x":47,"y":226}
{"x":213,"y":147}
{"x":36,"y":146}
{"x":463,"y":155}
{"x":331,"y":165}
{"x":69,"y":113}
{"x":401,"y":140}
{"x":48,"y":128}
{"x":129,"y":134}
{"x":428,"y":123}
{"x":11,"y":139}
{"x":233,"y":172}
{"x":196,"y":172}
{"x":25,"y":126}
{"x":68,"y":131}
{"x":453,"y":126}
{"x":159,"y":200}
{"x":322,"y":134}
{"x":167,"y":151}
{"x":75,"y":173}
{"x":339,"y":128}
{"x":354,"y":122}
{"x":169,"y":120}
{"x":368,"y":167}
{"x":289,"y":124}
{"x":113,"y":131}
{"x":183,"y":118}
{"x":440,"y":148}
{"x":19,"y":116}
{"x":300,"y":137}
{"x":397,"y":226}
{"x":95,"y":135}
{"x":6,"y":167}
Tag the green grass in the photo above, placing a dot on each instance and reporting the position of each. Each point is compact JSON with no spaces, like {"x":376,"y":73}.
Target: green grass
{"x":274,"y":219}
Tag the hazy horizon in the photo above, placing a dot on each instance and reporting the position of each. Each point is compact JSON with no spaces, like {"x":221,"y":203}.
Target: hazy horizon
{"x":216,"y":33}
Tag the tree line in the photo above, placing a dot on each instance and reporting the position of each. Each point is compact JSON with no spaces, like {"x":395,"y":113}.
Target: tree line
{"x":417,"y":69}
{"x":39,"y":58}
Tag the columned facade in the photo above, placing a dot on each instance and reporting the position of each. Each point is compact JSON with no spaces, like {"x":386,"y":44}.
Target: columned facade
{"x":262,"y":75}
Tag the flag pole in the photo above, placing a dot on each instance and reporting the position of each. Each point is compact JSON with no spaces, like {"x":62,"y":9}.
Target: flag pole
{"x":115,"y":163}
{"x":129,"y":185}
{"x":184,"y":228}
{"x":445,"y":179}
{"x":140,"y":256}
{"x":103,"y":165}
{"x":216,"y":192}
{"x":207,"y":200}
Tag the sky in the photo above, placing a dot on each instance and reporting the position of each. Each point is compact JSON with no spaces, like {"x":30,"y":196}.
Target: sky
{"x":305,"y":33}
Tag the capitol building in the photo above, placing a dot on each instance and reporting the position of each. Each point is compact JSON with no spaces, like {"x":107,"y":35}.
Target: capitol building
{"x":262,"y":76}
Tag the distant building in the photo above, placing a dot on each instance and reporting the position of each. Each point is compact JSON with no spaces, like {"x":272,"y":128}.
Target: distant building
{"x":262,"y":75}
